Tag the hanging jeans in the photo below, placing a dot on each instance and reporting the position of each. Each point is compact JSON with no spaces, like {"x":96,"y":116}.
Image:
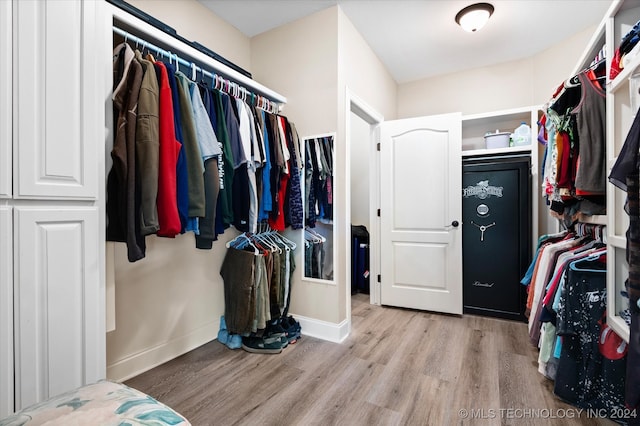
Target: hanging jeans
{"x":238,"y":273}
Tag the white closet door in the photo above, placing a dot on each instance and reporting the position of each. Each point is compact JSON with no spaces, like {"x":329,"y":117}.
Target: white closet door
{"x":57,"y":111}
{"x":6,"y":313}
{"x":59,"y":328}
{"x":6,"y":107}
{"x":421,"y":207}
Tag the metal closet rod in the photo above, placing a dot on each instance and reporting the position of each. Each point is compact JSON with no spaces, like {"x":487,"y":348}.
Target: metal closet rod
{"x":232,"y":88}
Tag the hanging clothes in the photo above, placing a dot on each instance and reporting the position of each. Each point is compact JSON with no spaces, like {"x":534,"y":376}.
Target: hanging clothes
{"x":169,"y":150}
{"x":148,"y":146}
{"x":574,"y":164}
{"x":590,"y":374}
{"x":182,"y":185}
{"x":189,"y":157}
{"x":567,"y":321}
{"x":257,"y":272}
{"x":624,"y":175}
{"x":122,"y":205}
{"x":319,"y":179}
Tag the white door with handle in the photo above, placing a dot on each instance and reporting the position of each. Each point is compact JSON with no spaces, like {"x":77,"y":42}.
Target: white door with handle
{"x":421,"y":206}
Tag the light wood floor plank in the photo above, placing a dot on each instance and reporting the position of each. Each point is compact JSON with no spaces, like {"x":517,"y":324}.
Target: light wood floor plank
{"x":398,"y":367}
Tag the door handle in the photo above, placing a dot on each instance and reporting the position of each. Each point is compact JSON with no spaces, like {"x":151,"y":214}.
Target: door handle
{"x":453,"y":225}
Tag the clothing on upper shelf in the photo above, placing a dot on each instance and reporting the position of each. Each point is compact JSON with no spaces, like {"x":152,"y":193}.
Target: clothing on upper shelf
{"x":189,"y":157}
{"x":628,"y":43}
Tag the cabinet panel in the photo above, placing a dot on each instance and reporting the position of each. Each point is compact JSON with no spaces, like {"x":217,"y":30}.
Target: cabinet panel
{"x":57,"y":110}
{"x":5,"y":99}
{"x":6,"y":312}
{"x":58,"y":301}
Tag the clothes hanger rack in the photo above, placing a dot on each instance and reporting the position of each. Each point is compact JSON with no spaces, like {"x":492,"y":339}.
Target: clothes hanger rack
{"x":594,"y":231}
{"x":272,"y":104}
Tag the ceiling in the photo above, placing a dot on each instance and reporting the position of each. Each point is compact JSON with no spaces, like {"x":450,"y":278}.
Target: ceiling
{"x":417,"y":39}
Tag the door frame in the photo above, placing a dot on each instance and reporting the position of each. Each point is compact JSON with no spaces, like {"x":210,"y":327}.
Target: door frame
{"x":356,"y":105}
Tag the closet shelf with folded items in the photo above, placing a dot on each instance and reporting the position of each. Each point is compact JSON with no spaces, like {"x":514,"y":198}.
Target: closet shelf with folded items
{"x":257,"y":271}
{"x":203,"y":153}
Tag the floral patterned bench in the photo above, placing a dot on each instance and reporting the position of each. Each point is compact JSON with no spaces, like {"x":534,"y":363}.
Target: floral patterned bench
{"x":104,"y":403}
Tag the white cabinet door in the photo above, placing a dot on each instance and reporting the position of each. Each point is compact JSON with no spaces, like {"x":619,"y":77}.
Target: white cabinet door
{"x":58,"y":125}
{"x":59,"y":301}
{"x":6,"y":312}
{"x":6,"y":63}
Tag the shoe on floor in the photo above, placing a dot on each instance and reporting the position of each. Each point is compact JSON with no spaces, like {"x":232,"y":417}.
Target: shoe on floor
{"x":260,"y":345}
{"x":292,"y":328}
{"x":235,"y":341}
{"x":223,"y":334}
{"x":232,"y":341}
{"x":275,"y":330}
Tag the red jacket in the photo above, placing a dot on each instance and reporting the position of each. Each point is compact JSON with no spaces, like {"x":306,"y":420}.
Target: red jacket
{"x":169,"y":150}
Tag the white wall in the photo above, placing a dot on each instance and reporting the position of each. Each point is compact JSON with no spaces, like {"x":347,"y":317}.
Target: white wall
{"x":299,"y":60}
{"x":171,"y":301}
{"x":194,"y":21}
{"x":365,"y":76}
{"x":361,"y":150}
{"x":525,"y":82}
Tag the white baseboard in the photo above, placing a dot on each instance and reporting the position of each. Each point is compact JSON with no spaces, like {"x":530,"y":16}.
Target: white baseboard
{"x":324,"y":330}
{"x":140,"y":362}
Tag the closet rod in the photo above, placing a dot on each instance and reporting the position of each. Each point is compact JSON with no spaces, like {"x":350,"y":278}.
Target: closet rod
{"x":126,"y":20}
{"x":173,"y":57}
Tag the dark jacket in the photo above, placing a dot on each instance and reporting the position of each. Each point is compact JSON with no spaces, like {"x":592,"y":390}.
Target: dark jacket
{"x":122,"y":223}
{"x":147,"y":147}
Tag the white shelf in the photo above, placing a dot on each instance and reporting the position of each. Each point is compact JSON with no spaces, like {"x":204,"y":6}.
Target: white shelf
{"x":617,"y":241}
{"x":619,"y":326}
{"x":487,"y":116}
{"x":622,"y":79}
{"x":594,"y":219}
{"x":496,"y":151}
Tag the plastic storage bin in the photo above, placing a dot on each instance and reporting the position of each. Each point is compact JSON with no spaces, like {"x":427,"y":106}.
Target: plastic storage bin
{"x":497,"y":140}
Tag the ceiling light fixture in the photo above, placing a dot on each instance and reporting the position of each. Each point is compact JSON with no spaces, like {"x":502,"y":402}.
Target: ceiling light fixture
{"x":474,"y":17}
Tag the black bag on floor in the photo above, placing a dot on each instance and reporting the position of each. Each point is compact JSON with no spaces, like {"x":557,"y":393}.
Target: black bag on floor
{"x":359,"y":259}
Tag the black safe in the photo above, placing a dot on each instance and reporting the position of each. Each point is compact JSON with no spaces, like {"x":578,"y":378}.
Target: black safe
{"x":496,"y":234}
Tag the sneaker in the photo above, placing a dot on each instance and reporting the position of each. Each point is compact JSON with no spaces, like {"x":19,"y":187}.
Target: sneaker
{"x":280,"y":339}
{"x":275,"y":330}
{"x":260,"y":345}
{"x":292,"y":328}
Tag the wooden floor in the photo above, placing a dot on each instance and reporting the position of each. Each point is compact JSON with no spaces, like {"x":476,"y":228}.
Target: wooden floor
{"x":398,"y":367}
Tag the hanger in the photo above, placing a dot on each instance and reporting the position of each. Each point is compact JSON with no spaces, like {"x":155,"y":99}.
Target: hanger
{"x":238,"y":243}
{"x":292,"y":245}
{"x":314,"y":236}
{"x":265,"y":238}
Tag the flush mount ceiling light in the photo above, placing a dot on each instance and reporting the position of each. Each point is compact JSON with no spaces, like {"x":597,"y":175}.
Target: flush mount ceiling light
{"x":473,"y":17}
